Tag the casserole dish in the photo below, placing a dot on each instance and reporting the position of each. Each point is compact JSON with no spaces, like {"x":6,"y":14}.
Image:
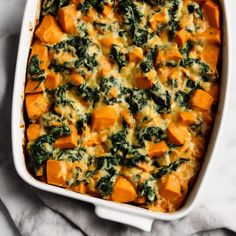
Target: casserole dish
{"x":121,"y":213}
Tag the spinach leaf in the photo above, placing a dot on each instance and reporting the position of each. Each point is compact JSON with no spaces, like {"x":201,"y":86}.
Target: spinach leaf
{"x":40,"y":151}
{"x":52,"y":6}
{"x":88,"y":93}
{"x":57,"y":132}
{"x":60,"y":95}
{"x":153,"y":134}
{"x":82,"y":121}
{"x":147,"y":64}
{"x":160,"y":3}
{"x":187,"y":62}
{"x":104,"y":185}
{"x":173,"y":24}
{"x":149,"y":190}
{"x":194,"y":8}
{"x":191,"y":84}
{"x":34,"y":69}
{"x":81,"y":45}
{"x":139,"y":36}
{"x":71,"y":155}
{"x":161,"y":98}
{"x":173,"y":83}
{"x":132,"y":16}
{"x":137,"y":99}
{"x":105,"y":86}
{"x":106,"y":162}
{"x":120,"y":145}
{"x":98,"y":5}
{"x":182,"y":98}
{"x":132,"y":158}
{"x":168,"y":169}
{"x":118,"y":56}
{"x":187,"y":49}
{"x":55,"y":66}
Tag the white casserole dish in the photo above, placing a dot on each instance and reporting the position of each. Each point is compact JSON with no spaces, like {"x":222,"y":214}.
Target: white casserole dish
{"x":127,"y":214}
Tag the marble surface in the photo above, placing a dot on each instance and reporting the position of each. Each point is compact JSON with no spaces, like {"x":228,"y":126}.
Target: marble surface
{"x":221,"y":183}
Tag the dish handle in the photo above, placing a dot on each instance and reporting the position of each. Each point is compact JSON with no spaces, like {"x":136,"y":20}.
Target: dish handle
{"x":141,"y":222}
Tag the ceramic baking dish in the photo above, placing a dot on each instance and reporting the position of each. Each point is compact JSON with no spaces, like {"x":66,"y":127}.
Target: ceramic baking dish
{"x":127,"y":214}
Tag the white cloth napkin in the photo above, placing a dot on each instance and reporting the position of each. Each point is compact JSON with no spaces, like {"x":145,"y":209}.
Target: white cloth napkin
{"x":37,"y":213}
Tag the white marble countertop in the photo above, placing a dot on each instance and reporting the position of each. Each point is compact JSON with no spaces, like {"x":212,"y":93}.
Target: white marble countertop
{"x":10,"y":23}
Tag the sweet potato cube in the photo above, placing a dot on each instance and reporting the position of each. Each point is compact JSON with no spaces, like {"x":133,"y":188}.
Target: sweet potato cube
{"x":36,"y":105}
{"x":52,"y":80}
{"x":211,"y":12}
{"x":104,"y":118}
{"x":171,"y":187}
{"x":128,"y":118}
{"x":107,"y":11}
{"x":67,"y":17}
{"x":80,"y":188}
{"x":58,"y":172}
{"x":210,"y":55}
{"x":211,"y":35}
{"x":34,"y":86}
{"x":123,"y":191}
{"x":187,"y":117}
{"x":105,"y":67}
{"x":69,"y":141}
{"x":42,"y":53}
{"x":76,"y":78}
{"x":157,"y":149}
{"x":177,"y":134}
{"x":201,"y":100}
{"x":200,"y":2}
{"x":145,"y":80}
{"x":136,"y":54}
{"x":90,"y":16}
{"x":169,"y":54}
{"x":49,"y":31}
{"x":158,"y":18}
{"x":108,"y":41}
{"x":33,"y":132}
{"x":182,"y":37}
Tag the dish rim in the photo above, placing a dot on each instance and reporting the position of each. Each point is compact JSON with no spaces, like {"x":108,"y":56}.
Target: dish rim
{"x":128,"y":211}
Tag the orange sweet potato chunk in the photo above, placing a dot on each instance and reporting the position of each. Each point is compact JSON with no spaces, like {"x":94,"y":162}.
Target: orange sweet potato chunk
{"x":49,"y":31}
{"x":201,"y":100}
{"x":211,"y":35}
{"x":136,"y":54}
{"x":33,"y":132}
{"x":104,"y":118}
{"x":58,"y":172}
{"x":158,"y":18}
{"x":76,"y":78}
{"x":171,"y":187}
{"x":157,"y":149}
{"x":42,"y":53}
{"x":168,"y":54}
{"x":125,"y":114}
{"x":105,"y":67}
{"x":182,"y":37}
{"x":36,"y":105}
{"x":69,"y":141}
{"x":67,"y":17}
{"x":211,"y":54}
{"x":123,"y":191}
{"x":211,"y":12}
{"x":52,"y":80}
{"x":80,"y":188}
{"x":187,"y":117}
{"x":34,"y":86}
{"x":177,"y":134}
